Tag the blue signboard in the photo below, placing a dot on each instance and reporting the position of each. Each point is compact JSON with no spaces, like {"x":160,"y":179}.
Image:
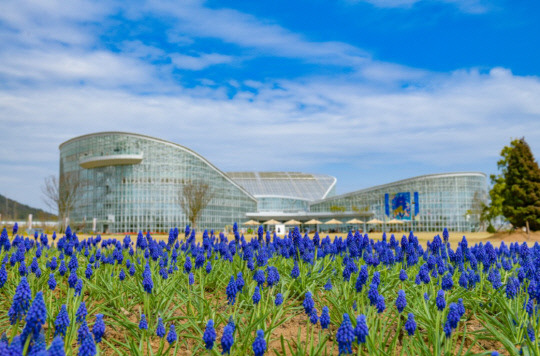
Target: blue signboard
{"x":401,"y":206}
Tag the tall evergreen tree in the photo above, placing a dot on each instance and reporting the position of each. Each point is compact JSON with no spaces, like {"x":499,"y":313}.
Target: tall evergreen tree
{"x":521,"y":192}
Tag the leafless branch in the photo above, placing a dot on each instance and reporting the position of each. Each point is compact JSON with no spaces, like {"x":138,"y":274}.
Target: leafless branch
{"x":62,"y":194}
{"x":194,"y":197}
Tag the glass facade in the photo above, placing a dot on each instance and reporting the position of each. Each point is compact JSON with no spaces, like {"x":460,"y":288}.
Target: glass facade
{"x":286,"y":184}
{"x":285,"y":192}
{"x":425,"y":203}
{"x":132,"y":182}
{"x":281,"y":204}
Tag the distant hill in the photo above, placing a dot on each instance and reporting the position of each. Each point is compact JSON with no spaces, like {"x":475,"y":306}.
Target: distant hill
{"x":14,"y":210}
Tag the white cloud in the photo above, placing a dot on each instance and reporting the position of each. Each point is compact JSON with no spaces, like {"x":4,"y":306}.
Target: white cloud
{"x":52,"y":21}
{"x":199,"y":62}
{"x":99,"y":67}
{"x":468,"y":6}
{"x":244,"y":30}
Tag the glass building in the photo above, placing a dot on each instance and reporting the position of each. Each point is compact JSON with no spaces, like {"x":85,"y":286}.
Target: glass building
{"x":425,"y":203}
{"x":131,"y":182}
{"x":286,"y":192}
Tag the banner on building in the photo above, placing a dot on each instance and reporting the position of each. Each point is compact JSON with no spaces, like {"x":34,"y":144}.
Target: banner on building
{"x":398,"y":205}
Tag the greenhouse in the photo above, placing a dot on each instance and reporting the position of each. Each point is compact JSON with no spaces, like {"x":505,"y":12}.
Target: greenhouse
{"x":425,"y":203}
{"x":131,"y":182}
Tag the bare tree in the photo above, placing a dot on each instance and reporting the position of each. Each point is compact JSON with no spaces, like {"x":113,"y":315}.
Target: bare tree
{"x":62,"y":194}
{"x":194,"y":197}
{"x":478,"y":208}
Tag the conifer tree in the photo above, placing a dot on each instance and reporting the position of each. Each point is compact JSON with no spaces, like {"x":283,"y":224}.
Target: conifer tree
{"x":521,"y":192}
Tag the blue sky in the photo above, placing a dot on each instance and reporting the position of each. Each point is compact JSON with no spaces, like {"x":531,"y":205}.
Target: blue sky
{"x":370,"y":91}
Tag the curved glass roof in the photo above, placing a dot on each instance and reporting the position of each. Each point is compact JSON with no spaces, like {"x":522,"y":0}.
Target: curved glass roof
{"x":286,"y":184}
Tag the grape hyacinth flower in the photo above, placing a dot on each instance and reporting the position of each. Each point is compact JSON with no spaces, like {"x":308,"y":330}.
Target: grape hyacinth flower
{"x":78,"y":287}
{"x":440,"y":301}
{"x":99,"y":328}
{"x":88,"y":347}
{"x":82,"y":332}
{"x":39,"y":345}
{"x":328,"y":285}
{"x":295,"y":273}
{"x":21,"y":301}
{"x":447,"y":282}
{"x":361,"y":330}
{"x":57,"y":347}
{"x":401,"y":301}
{"x":373,"y":294}
{"x":461,"y":307}
{"x":279,"y":299}
{"x":256,"y":296}
{"x":88,"y":272}
{"x":325,"y":318}
{"x":231,"y":323}
{"x":3,"y":274}
{"x":16,"y":347}
{"x":239,"y":282}
{"x":376,"y":279}
{"x":62,"y":322}
{"x":62,"y":269}
{"x":313,"y":318}
{"x":160,"y":331}
{"x":259,"y":278}
{"x":81,"y":313}
{"x":209,"y":336}
{"x":273,"y":276}
{"x":512,"y":287}
{"x":72,"y":279}
{"x":227,"y":339}
{"x":410,"y":324}
{"x":52,"y":282}
{"x":171,"y":336}
{"x":308,"y":303}
{"x":36,"y":317}
{"x":381,"y":306}
{"x":259,"y":345}
{"x":148,"y":284}
{"x":187,"y":265}
{"x":403,"y":275}
{"x":231,"y":291}
{"x":191,"y":278}
{"x":453,"y":316}
{"x":143,"y":324}
{"x":345,"y":335}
